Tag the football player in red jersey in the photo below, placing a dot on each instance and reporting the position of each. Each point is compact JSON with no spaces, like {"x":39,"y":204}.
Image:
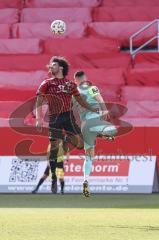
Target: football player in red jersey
{"x":57,"y":91}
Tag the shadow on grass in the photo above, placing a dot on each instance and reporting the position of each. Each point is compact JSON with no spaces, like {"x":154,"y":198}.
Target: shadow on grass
{"x":78,"y":201}
{"x":141,"y":228}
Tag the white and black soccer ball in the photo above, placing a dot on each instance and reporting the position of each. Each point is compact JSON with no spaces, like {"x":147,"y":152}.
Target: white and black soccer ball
{"x":58,"y":27}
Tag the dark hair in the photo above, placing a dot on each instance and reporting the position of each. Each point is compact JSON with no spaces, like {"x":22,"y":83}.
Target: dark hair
{"x":79,"y":74}
{"x":62,"y":63}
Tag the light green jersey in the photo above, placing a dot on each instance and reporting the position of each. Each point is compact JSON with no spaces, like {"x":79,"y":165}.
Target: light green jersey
{"x":88,"y":93}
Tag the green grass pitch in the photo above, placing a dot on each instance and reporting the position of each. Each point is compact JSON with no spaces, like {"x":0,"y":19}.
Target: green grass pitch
{"x":72,"y":217}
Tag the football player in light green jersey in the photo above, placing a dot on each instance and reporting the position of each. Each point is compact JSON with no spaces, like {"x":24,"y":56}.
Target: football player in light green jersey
{"x":92,"y":124}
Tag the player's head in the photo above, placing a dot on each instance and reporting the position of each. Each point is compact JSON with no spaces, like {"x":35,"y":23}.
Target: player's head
{"x":58,"y":65}
{"x":80,"y":77}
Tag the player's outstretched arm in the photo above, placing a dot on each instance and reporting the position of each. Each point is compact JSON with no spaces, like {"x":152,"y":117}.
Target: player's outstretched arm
{"x":84,"y":104}
{"x":38,"y":112}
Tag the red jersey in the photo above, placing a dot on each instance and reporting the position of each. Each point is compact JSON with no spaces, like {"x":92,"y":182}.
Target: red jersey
{"x":58,"y":94}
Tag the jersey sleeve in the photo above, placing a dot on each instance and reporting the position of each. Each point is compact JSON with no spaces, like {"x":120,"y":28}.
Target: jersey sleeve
{"x":42,"y":89}
{"x":93,"y":91}
{"x":74,"y":89}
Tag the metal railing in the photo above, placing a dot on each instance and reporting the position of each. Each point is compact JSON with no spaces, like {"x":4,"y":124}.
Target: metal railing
{"x":134,"y":52}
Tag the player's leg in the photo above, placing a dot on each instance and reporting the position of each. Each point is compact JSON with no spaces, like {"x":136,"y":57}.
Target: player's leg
{"x":104,"y":129}
{"x":74,"y":140}
{"x":60,"y":175}
{"x":42,"y":179}
{"x":73,"y":131}
{"x":55,"y":133}
{"x":89,"y":143}
{"x":87,"y":168}
{"x":52,"y":156}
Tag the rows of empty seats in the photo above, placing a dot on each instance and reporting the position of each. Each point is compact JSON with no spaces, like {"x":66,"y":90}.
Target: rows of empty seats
{"x":119,"y":31}
{"x":77,"y":14}
{"x":96,"y":30}
{"x":75,"y":3}
{"x":48,"y":3}
{"x":143,"y":77}
{"x":61,"y":3}
{"x":84,"y":18}
{"x":87,"y":45}
{"x":23,"y":62}
{"x":100,"y":77}
{"x":139,"y":93}
{"x":120,"y":14}
{"x":130,"y":3}
{"x":122,"y":31}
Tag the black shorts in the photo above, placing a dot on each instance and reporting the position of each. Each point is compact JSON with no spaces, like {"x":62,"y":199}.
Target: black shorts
{"x":63,"y":121}
{"x":54,"y":166}
{"x":58,"y":165}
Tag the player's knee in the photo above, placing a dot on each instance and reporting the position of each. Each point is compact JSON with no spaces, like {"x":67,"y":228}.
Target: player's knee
{"x":110,"y":131}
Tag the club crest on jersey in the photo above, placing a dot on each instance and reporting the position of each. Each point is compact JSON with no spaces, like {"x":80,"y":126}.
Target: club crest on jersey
{"x":95,"y":90}
{"x":66,"y":88}
{"x":62,"y":88}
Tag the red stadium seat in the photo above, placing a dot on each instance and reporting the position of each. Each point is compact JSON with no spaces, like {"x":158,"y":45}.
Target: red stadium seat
{"x":148,"y":60}
{"x":78,"y":46}
{"x":4,"y":31}
{"x":142,"y":122}
{"x":122,"y":31}
{"x":107,"y":60}
{"x":42,"y":30}
{"x":125,"y":14}
{"x":134,"y":3}
{"x":49,"y":14}
{"x":21,"y":62}
{"x":143,"y":109}
{"x":110,"y":93}
{"x":62,"y":3}
{"x":16,"y":94}
{"x":20,"y":46}
{"x":136,"y":93}
{"x":9,"y":15}
{"x":22,"y":79}
{"x":143,"y":77}
{"x":102,"y":77}
{"x":11,"y":3}
{"x":7,"y":107}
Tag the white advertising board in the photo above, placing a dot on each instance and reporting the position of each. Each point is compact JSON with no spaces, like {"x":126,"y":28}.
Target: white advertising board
{"x":110,"y":174}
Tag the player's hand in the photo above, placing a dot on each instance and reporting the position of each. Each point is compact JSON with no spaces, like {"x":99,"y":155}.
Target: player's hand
{"x":105,"y":115}
{"x":96,"y":110}
{"x":39,"y":125}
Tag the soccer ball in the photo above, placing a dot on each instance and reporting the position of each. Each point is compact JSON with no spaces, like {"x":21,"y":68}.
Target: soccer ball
{"x":58,"y":27}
